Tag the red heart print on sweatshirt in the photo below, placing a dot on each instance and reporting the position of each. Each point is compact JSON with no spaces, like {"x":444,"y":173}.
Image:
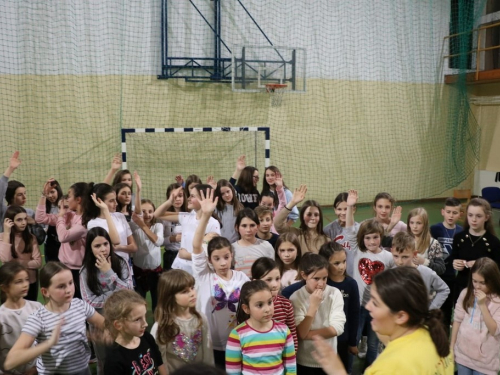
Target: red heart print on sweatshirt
{"x":368,"y":269}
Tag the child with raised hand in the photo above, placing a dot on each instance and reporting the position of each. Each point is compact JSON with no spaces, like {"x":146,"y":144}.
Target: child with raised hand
{"x":259,"y":345}
{"x":103,"y":272}
{"x":310,"y":232}
{"x":273,"y":182}
{"x":318,"y":309}
{"x":228,"y":208}
{"x":218,"y":285}
{"x":444,"y":233}
{"x":245,"y":181}
{"x":335,"y":228}
{"x":100,"y":211}
{"x":287,"y":258}
{"x":172,"y":231}
{"x":182,"y":333}
{"x":249,"y":248}
{"x":477,"y":240}
{"x":336,"y":256}
{"x":429,"y":250}
{"x":264,"y":232}
{"x":134,"y":350}
{"x":189,"y":222}
{"x":49,"y":204}
{"x":383,"y":205}
{"x":14,"y":311}
{"x":369,"y":260}
{"x":148,"y":235}
{"x":115,"y":175}
{"x":476,"y":326}
{"x":58,"y":328}
{"x":404,"y":252}
{"x":14,"y":163}
{"x":267,"y":270}
{"x":17,"y":244}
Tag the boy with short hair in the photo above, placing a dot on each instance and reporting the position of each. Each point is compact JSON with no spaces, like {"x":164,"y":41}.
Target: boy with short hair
{"x":403,"y":251}
{"x":444,"y":233}
{"x":265,"y":216}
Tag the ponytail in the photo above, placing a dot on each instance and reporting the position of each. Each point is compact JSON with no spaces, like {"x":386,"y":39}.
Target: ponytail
{"x":434,"y":324}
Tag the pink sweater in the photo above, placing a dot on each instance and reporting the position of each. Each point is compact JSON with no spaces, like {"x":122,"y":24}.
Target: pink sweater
{"x":71,"y":234}
{"x":475,"y":347}
{"x":32,"y":261}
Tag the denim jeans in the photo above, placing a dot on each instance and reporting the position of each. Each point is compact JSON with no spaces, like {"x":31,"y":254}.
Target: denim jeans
{"x":462,"y":370}
{"x":372,"y":343}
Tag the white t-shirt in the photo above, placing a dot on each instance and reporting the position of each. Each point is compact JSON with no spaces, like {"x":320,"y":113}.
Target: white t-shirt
{"x":148,"y":255}
{"x":121,"y":225}
{"x":245,"y":256}
{"x":217,"y":299}
{"x":11,"y":324}
{"x":189,"y":224}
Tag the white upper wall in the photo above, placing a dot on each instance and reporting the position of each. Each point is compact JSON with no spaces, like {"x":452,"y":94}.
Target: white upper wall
{"x":398,"y":40}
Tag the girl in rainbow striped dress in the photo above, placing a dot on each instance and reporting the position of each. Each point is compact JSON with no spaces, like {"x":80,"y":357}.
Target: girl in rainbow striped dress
{"x":259,"y":345}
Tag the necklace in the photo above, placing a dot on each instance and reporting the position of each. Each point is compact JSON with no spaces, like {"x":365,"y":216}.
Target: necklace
{"x":448,"y":233}
{"x":475,"y":241}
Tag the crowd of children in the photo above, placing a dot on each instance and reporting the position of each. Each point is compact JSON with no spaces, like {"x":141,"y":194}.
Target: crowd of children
{"x":240,"y":286}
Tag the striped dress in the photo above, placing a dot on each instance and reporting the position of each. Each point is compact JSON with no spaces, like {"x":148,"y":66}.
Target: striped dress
{"x":251,"y":352}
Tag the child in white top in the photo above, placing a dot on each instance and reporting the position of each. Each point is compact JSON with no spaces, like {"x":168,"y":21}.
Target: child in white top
{"x":172,"y":232}
{"x":134,"y":350}
{"x":218,"y":286}
{"x":93,"y":216}
{"x":369,"y":260}
{"x":14,"y":311}
{"x":318,"y":309}
{"x":58,"y":328}
{"x":148,"y":235}
{"x":182,"y":333}
{"x":189,"y":222}
{"x":249,"y":248}
{"x":288,"y":257}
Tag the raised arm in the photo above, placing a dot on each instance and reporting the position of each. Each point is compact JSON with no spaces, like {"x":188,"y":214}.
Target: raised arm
{"x":395,"y":218}
{"x":113,"y":233}
{"x":240,"y":165}
{"x":116,"y":164}
{"x":280,"y":221}
{"x":161,"y":212}
{"x":352,"y":199}
{"x":14,"y":163}
{"x":138,"y":184}
{"x":208,"y":205}
{"x":41,"y":215}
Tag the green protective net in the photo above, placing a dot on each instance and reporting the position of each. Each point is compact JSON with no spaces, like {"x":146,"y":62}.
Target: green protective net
{"x":375,"y":115}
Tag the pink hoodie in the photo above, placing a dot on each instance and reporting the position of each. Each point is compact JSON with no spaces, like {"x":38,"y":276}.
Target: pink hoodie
{"x":475,"y":347}
{"x":71,"y":233}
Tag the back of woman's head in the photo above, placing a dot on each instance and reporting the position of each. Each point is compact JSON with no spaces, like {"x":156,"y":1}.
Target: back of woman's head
{"x":90,"y":210}
{"x":261,"y":267}
{"x":247,"y":291}
{"x":312,"y":263}
{"x":79,"y":189}
{"x":8,"y":272}
{"x":245,"y":181}
{"x":370,"y":226}
{"x":486,"y":207}
{"x":118,"y":307}
{"x":49,"y":271}
{"x":170,"y":283}
{"x":402,"y":289}
{"x":307,"y":204}
{"x":10,"y":193}
{"x":488,"y":270}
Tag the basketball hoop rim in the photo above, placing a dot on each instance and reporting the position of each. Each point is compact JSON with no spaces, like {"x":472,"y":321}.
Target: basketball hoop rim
{"x":270,"y":87}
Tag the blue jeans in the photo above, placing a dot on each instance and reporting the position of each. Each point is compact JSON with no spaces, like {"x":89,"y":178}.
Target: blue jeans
{"x":462,"y":370}
{"x":372,"y":343}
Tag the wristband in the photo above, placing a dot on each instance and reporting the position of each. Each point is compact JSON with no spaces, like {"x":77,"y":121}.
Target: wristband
{"x":289,"y":209}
